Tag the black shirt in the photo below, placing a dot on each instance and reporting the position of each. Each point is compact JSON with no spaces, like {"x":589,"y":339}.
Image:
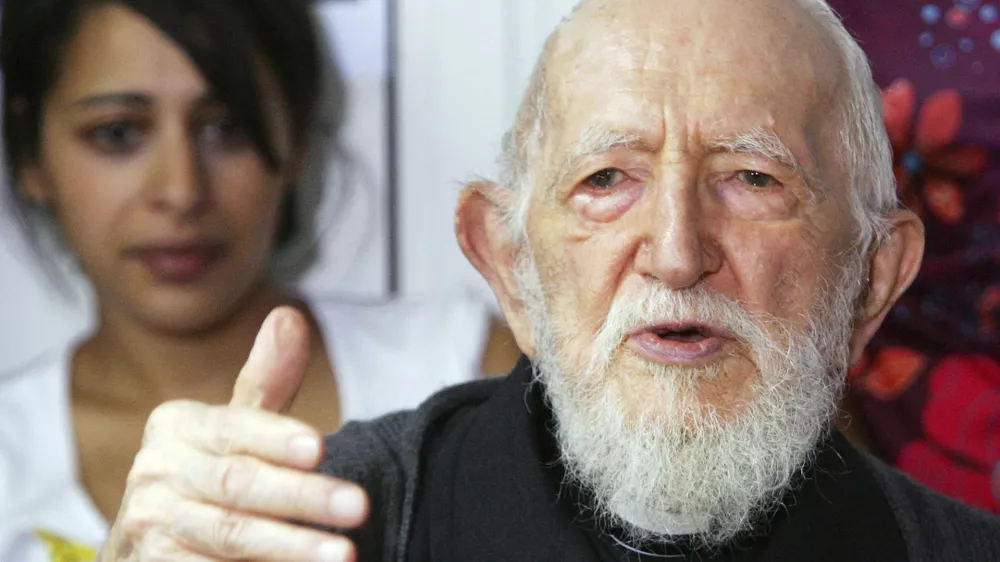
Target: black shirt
{"x":492,"y":488}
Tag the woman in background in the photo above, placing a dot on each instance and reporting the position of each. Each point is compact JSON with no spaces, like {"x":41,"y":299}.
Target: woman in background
{"x":164,"y":144}
{"x":928,"y":389}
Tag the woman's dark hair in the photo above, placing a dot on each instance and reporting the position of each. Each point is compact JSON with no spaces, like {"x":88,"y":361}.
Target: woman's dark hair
{"x":226,"y":39}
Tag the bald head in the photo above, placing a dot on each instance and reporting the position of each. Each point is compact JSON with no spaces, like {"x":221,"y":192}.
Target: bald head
{"x":722,"y":29}
{"x":750,"y":52}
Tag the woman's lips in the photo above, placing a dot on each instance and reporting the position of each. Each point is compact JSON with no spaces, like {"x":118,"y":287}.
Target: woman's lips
{"x":179,"y":264}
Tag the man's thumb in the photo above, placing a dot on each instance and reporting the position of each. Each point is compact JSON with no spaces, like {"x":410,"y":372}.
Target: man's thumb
{"x":273,"y":373}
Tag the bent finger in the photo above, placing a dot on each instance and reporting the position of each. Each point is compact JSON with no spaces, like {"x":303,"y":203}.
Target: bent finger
{"x":162,"y":547}
{"x":228,"y":430}
{"x":231,"y":535}
{"x":247,"y":484}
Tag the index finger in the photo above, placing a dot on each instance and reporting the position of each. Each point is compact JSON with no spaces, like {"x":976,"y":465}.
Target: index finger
{"x":228,"y":431}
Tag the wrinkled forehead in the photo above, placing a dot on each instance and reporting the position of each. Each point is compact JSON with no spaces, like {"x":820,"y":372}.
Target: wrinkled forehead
{"x":682,"y":70}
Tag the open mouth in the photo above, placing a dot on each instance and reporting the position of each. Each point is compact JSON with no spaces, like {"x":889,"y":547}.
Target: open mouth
{"x":683,"y":333}
{"x":689,"y":334}
{"x":680,"y":343}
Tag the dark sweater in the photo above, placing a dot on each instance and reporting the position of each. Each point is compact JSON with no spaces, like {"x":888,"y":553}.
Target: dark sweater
{"x":389,"y":458}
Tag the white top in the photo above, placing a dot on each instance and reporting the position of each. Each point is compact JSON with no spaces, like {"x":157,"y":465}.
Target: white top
{"x":387,"y":357}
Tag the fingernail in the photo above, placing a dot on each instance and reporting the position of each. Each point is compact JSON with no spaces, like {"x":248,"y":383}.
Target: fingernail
{"x":348,"y":503}
{"x":334,"y":551}
{"x":304,"y":449}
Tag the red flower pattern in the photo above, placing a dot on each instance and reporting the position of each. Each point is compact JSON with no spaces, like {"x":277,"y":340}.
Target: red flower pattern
{"x":960,"y":421}
{"x":989,"y":308}
{"x":959,"y":451}
{"x":890,"y":374}
{"x":928,"y":168}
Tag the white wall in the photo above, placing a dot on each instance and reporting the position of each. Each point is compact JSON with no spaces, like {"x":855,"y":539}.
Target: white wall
{"x":462,"y":67}
{"x":354,"y":257}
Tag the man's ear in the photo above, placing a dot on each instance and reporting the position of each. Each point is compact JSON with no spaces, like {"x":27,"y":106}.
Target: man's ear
{"x":483,"y":235}
{"x":893,"y":267}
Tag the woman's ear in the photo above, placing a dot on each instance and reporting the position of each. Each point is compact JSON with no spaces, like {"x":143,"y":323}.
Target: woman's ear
{"x":33,"y":184}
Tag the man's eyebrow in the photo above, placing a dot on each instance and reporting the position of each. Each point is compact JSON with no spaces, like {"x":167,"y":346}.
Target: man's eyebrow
{"x":767,"y":145}
{"x":600,"y":139}
{"x":760,"y":143}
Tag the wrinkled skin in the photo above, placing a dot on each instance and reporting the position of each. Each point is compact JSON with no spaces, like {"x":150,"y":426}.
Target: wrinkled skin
{"x":676,"y":204}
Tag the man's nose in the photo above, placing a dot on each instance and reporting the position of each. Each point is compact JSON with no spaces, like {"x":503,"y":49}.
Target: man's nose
{"x":177,"y":183}
{"x":677,"y":248}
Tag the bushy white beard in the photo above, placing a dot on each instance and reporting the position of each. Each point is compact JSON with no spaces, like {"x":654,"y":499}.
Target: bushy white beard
{"x":682,"y":467}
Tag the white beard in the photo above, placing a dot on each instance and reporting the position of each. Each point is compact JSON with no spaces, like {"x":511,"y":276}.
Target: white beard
{"x":682,"y":467}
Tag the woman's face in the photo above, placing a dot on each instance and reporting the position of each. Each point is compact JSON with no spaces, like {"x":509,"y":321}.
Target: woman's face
{"x":170,"y":209}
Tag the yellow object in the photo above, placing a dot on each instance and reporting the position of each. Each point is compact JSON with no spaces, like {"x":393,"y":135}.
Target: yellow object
{"x":62,"y":550}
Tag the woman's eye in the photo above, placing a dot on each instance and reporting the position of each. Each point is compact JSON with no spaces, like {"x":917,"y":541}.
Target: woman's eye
{"x":119,"y":137}
{"x":757,"y":180}
{"x":223,"y":131}
{"x":606,"y":179}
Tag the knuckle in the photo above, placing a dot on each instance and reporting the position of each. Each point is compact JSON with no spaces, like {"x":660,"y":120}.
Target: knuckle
{"x":235,"y":478}
{"x":146,"y":460}
{"x":159,"y":547}
{"x":149,"y":467}
{"x":132,"y":524}
{"x":220,"y":431}
{"x":142,"y":512}
{"x":138,"y":529}
{"x":164,"y":418}
{"x":163,"y":415}
{"x":228,"y":534}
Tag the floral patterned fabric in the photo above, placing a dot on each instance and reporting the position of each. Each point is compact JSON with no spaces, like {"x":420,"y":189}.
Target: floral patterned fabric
{"x":929,"y":384}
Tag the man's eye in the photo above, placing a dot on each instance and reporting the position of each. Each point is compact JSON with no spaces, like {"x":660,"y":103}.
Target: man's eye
{"x":757,"y":180}
{"x":606,"y":179}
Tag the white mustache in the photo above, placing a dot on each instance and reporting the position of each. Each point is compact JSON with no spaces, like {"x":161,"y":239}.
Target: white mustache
{"x":658,"y":305}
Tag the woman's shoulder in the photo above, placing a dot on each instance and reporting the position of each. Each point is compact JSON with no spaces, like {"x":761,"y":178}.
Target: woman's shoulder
{"x":33,"y":404}
{"x":391,"y":355}
{"x":35,"y":439}
{"x":415,"y":318}
{"x":48,"y":369}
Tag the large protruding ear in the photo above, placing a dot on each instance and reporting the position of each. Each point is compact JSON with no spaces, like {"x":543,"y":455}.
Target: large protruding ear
{"x":894,"y":265}
{"x":487,"y":241}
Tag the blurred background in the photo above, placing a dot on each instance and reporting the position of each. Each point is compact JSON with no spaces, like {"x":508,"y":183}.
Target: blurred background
{"x":432,"y":86}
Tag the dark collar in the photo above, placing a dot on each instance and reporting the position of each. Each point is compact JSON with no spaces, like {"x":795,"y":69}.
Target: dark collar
{"x":492,"y":490}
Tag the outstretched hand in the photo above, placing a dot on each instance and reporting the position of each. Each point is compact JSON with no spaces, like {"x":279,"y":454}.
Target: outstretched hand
{"x":222,"y":482}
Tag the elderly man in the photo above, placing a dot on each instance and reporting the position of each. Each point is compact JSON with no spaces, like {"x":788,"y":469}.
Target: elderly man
{"x":696,"y":236}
